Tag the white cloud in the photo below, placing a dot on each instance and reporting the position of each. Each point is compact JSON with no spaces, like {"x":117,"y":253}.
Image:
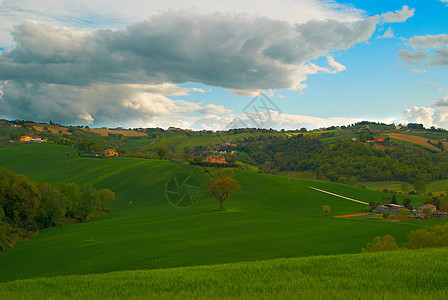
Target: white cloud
{"x":444,"y":1}
{"x":398,"y":16}
{"x":387,"y":34}
{"x":434,"y":115}
{"x":276,"y":120}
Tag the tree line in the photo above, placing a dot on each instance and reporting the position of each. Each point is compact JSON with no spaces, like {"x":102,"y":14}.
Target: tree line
{"x":344,"y":161}
{"x":26,"y":206}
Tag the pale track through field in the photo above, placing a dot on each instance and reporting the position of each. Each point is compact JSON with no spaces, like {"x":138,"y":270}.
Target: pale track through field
{"x":343,"y":197}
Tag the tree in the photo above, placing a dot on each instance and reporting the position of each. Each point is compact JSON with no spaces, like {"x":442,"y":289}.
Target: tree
{"x":161,"y":152}
{"x":105,"y":196}
{"x":394,"y":199}
{"x":407,"y":202}
{"x":420,"y":186}
{"x":326,"y":210}
{"x":387,"y":243}
{"x":405,"y":187}
{"x":88,"y":202}
{"x":222,"y":188}
{"x":53,"y":207}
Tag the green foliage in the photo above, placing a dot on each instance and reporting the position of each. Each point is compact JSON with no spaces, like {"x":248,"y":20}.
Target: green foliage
{"x":414,"y":275}
{"x":326,"y":210}
{"x":435,"y":237}
{"x":405,"y":187}
{"x":394,"y":199}
{"x":27,"y":206}
{"x":387,"y":243}
{"x":420,"y":186}
{"x":162,"y":152}
{"x":345,"y":159}
{"x":269,"y":208}
{"x":407,"y":202}
{"x":53,"y":207}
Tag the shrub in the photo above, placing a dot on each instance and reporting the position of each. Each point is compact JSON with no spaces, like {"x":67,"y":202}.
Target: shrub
{"x":387,"y":243}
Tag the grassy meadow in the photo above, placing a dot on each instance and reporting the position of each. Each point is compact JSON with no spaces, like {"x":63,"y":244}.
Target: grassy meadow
{"x":272,"y":217}
{"x":419,"y":274}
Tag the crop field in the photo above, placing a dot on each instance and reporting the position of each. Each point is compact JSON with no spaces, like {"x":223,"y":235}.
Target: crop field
{"x":413,"y":139}
{"x":105,"y":132}
{"x":419,"y":274}
{"x":272,"y":217}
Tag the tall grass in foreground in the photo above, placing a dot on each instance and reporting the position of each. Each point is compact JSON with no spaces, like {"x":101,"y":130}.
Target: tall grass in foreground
{"x":418,"y":274}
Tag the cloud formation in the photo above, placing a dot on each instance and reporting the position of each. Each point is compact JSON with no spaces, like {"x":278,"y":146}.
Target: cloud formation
{"x":434,"y":115}
{"x":425,"y":58}
{"x":387,"y":34}
{"x":56,"y":72}
{"x":398,"y":16}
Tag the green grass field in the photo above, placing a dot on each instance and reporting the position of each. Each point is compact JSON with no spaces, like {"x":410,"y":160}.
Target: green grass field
{"x":419,"y":274}
{"x":439,"y":186}
{"x":273,"y":217}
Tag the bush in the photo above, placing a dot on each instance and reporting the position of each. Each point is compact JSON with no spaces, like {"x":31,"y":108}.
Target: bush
{"x":387,"y":243}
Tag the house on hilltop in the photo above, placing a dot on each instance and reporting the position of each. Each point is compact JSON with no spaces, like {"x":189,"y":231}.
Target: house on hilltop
{"x":431,"y":207}
{"x":216,"y":159}
{"x":110,"y":152}
{"x":25,"y":138}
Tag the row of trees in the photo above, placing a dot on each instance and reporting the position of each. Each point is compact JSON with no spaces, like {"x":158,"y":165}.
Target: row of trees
{"x":434,"y":237}
{"x":26,"y":206}
{"x":345,"y":161}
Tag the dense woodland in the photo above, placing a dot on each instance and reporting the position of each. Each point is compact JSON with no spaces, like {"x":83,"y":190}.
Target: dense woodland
{"x":344,"y":161}
{"x":26,"y":206}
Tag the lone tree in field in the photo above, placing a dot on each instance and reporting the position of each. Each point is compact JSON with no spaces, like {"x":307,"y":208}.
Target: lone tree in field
{"x":222,"y":188}
{"x":405,"y":187}
{"x":326,"y":209}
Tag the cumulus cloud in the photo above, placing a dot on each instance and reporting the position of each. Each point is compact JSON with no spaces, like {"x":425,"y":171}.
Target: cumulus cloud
{"x":418,"y":57}
{"x":276,"y":120}
{"x":435,"y":114}
{"x":387,"y":34}
{"x":102,"y":103}
{"x":398,"y":16}
{"x":429,"y":41}
{"x":102,"y":76}
{"x":444,"y":1}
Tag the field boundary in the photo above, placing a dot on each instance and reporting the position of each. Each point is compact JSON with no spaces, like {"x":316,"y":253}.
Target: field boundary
{"x":343,"y":197}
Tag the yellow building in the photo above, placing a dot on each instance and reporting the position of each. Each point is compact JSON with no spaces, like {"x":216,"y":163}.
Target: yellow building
{"x":25,"y":138}
{"x":110,"y":152}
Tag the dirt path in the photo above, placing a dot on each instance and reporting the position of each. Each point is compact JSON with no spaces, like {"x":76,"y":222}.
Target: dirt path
{"x":352,"y":215}
{"x":413,"y":139}
{"x":362,"y":202}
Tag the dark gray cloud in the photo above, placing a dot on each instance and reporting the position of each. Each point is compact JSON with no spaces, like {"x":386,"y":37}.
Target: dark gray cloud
{"x":56,"y":72}
{"x":427,"y":59}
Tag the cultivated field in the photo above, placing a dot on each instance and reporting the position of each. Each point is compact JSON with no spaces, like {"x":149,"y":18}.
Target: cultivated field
{"x":272,"y":217}
{"x":418,"y":274}
{"x":105,"y":132}
{"x":413,"y":139}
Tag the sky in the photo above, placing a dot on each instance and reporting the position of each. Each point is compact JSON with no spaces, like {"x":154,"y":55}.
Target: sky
{"x":197,"y":64}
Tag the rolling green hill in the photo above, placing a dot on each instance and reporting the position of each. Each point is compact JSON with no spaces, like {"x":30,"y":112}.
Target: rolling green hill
{"x":273,"y":217}
{"x":419,"y":274}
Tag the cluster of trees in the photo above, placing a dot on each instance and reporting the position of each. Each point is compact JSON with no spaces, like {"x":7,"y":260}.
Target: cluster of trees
{"x":344,"y":162}
{"x":26,"y":206}
{"x":435,"y":237}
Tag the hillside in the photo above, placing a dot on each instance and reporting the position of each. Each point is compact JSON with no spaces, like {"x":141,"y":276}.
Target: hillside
{"x":384,"y":275}
{"x":272,"y":217}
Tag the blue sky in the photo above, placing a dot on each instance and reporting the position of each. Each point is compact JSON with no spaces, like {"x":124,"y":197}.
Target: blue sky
{"x":197,"y":64}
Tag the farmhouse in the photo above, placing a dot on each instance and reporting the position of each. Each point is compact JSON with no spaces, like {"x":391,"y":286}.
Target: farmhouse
{"x":16,"y":126}
{"x":25,"y":138}
{"x":110,"y":152}
{"x":216,"y":159}
{"x":36,"y":139}
{"x":378,"y":139}
{"x":432,"y":208}
{"x":390,"y":208}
